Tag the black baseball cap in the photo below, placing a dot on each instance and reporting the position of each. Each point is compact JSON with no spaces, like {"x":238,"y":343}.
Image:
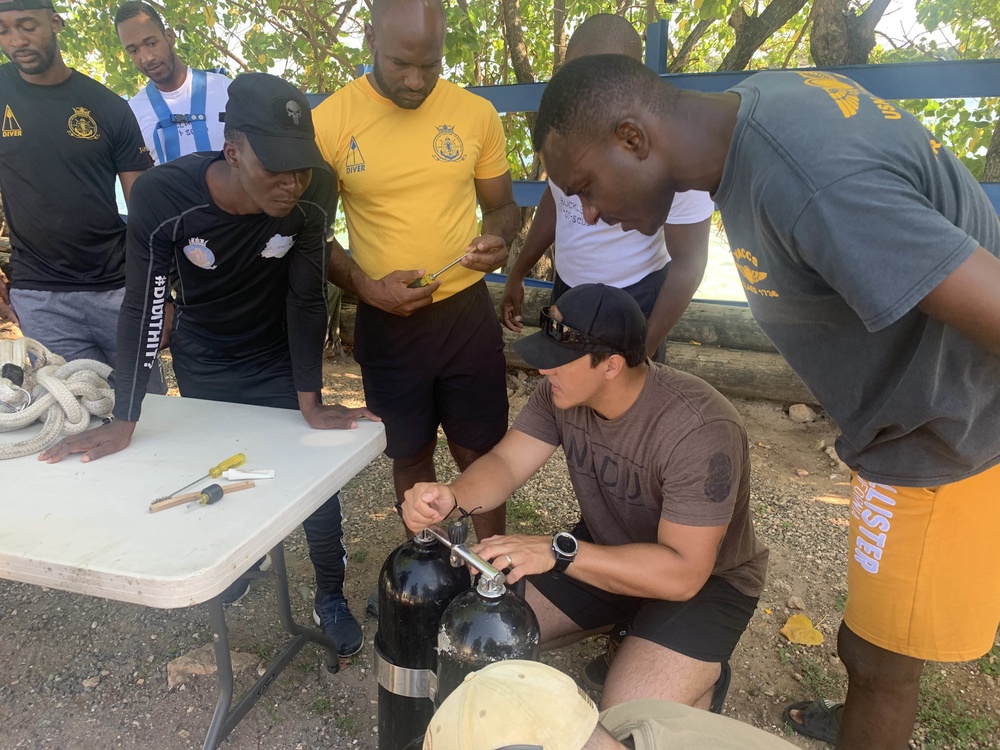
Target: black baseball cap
{"x":595,"y":318}
{"x":277,"y":121}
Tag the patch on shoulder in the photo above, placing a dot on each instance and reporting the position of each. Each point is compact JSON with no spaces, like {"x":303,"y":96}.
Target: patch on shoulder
{"x":719,"y":480}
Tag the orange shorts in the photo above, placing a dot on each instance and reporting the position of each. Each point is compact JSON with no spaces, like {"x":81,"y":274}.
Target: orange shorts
{"x":923,"y":576}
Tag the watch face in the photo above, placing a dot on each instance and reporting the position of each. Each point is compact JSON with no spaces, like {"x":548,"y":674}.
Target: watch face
{"x":566,"y":544}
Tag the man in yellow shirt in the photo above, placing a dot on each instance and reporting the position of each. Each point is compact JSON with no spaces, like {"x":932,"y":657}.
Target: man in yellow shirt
{"x":412,"y":155}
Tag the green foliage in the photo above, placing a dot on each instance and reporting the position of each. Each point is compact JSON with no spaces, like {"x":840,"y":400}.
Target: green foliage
{"x":946,"y":721}
{"x":990,"y":664}
{"x":523,"y":517}
{"x":347,"y":725}
{"x":321,"y":706}
{"x":817,"y":678}
{"x":319,"y":45}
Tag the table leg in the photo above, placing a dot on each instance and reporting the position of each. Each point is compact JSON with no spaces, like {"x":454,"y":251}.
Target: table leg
{"x":227,"y":716}
{"x":285,"y":613}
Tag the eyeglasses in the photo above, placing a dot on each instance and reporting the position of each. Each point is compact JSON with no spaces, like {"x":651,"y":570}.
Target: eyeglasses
{"x":563,"y":334}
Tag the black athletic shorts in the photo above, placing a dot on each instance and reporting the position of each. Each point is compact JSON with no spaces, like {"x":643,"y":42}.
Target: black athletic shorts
{"x":443,"y":365}
{"x":259,"y":377}
{"x":707,"y":627}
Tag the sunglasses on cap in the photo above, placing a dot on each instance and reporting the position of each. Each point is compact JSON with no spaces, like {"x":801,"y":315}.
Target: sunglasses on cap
{"x":563,"y":334}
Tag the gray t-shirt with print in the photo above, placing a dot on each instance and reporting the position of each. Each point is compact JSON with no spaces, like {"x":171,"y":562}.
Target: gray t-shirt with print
{"x":842,"y":213}
{"x":678,"y":453}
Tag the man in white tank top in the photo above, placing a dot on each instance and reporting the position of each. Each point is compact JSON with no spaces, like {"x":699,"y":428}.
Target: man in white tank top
{"x":661,"y":272}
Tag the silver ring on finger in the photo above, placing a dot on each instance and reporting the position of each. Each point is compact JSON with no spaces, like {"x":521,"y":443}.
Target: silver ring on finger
{"x":510,"y":563}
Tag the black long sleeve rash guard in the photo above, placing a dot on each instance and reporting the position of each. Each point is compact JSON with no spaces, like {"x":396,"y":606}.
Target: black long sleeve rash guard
{"x":241,"y":282}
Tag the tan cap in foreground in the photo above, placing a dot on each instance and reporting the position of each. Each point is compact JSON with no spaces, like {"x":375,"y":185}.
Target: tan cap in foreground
{"x":513,"y":703}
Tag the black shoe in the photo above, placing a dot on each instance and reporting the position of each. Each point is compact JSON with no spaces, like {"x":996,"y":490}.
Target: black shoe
{"x":595,"y":674}
{"x":241,"y":586}
{"x":335,"y":617}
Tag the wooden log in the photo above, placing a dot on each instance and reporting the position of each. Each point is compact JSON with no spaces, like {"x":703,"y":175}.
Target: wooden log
{"x":726,"y":326}
{"x":746,"y":374}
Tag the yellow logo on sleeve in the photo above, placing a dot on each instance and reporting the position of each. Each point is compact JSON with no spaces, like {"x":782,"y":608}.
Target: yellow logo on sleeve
{"x":935,"y":147}
{"x":82,"y":125}
{"x":11,"y":127}
{"x":842,"y":91}
{"x":847,"y":95}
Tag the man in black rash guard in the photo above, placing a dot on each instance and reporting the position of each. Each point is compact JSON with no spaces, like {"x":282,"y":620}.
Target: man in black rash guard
{"x":240,"y":236}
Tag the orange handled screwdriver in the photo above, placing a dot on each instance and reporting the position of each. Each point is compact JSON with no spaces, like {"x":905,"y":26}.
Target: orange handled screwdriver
{"x":215,"y":472}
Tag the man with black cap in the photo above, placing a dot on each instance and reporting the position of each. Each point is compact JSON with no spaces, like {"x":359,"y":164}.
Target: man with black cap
{"x":240,"y":235}
{"x":659,"y":463}
{"x":65,"y":140}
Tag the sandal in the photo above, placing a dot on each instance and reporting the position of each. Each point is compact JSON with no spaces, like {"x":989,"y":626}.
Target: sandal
{"x":820,"y":719}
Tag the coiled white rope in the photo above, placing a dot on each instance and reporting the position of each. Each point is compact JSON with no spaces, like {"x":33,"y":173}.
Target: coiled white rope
{"x":62,"y":394}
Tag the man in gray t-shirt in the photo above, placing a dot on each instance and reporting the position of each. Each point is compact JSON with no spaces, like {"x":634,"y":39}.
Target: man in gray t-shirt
{"x":660,"y":467}
{"x":869,"y":255}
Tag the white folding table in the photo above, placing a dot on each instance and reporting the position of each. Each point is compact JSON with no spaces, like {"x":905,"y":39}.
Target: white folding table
{"x":87,"y":528}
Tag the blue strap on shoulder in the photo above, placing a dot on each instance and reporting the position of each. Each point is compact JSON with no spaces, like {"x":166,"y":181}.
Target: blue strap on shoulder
{"x":167,"y":121}
{"x":199,"y":99}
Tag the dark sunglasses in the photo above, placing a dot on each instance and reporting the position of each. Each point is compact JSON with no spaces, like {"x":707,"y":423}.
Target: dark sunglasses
{"x":563,"y":334}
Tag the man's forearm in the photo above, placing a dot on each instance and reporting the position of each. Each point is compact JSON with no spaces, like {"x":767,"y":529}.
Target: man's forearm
{"x":541,"y":235}
{"x":503,"y":221}
{"x":345,"y":273}
{"x":485,"y":485}
{"x":652,"y":571}
{"x":672,"y":300}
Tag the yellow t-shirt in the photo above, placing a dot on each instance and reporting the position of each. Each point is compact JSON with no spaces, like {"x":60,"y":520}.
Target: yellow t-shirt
{"x":407,"y":176}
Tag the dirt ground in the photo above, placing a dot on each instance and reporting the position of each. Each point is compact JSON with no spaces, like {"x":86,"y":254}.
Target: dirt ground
{"x":82,"y":673}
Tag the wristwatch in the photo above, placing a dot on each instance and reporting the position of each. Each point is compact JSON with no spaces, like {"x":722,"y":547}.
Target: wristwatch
{"x":564,"y":547}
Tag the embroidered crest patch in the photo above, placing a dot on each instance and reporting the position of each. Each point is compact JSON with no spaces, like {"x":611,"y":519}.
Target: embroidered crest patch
{"x":198,"y":253}
{"x":447,"y":145}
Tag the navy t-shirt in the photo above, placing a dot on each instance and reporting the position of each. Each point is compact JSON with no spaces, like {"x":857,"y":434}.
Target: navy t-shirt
{"x":843,"y":212}
{"x":61,"y":149}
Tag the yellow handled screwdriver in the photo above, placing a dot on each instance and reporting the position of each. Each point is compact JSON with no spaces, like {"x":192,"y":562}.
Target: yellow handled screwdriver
{"x":428,"y":278}
{"x":215,"y":472}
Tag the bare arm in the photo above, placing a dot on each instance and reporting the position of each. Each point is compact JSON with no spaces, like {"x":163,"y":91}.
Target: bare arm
{"x":483,"y":486}
{"x":969,"y":300}
{"x":128,"y":179}
{"x":540,"y":236}
{"x":501,"y":216}
{"x":6,"y":311}
{"x":688,"y":248}
{"x":673,"y":569}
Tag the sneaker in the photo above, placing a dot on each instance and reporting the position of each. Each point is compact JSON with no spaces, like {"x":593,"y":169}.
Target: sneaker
{"x":241,"y":586}
{"x":334,"y":616}
{"x":595,"y":674}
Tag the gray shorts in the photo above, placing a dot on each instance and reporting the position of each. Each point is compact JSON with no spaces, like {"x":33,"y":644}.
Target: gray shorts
{"x":76,"y":325}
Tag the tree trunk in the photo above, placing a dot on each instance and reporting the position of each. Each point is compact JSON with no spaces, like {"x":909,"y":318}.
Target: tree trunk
{"x":840,"y":36}
{"x":753,"y":31}
{"x":514,"y":38}
{"x":991,"y":164}
{"x":680,"y":62}
{"x":558,"y":34}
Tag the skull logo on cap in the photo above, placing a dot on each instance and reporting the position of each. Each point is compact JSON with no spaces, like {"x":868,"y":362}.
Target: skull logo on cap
{"x":294,"y":111}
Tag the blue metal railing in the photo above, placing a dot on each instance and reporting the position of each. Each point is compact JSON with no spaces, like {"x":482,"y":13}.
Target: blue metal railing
{"x":962,"y":79}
